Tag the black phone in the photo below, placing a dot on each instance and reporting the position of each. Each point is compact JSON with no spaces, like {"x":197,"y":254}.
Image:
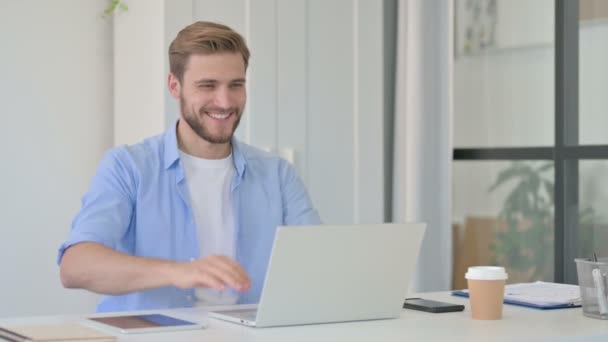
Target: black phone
{"x":431,"y":305}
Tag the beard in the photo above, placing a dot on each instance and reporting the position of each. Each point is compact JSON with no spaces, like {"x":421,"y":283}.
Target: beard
{"x":196,"y":123}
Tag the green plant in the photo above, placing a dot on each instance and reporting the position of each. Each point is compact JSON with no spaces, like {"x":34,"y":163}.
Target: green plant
{"x":115,"y":6}
{"x":527,"y":243}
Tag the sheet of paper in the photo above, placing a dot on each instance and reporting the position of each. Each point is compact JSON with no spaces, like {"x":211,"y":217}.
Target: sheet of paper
{"x":543,"y":293}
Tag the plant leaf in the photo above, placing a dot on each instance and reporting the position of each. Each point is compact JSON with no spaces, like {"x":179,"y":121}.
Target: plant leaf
{"x":544,"y":167}
{"x":516,"y":169}
{"x":550,"y":189}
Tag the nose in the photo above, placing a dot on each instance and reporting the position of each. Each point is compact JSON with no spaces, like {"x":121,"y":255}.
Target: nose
{"x":222,"y":98}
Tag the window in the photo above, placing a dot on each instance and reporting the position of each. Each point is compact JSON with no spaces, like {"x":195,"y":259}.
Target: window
{"x":529,"y":124}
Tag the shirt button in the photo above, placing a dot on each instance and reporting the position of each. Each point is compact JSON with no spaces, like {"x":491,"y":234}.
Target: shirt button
{"x":189,"y":297}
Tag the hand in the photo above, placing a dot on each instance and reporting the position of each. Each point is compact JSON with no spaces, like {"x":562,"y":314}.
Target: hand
{"x":214,"y":271}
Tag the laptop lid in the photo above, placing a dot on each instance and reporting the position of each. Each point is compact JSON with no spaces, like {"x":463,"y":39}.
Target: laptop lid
{"x":335,"y":273}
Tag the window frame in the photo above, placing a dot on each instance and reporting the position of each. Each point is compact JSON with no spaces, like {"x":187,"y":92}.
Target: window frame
{"x":566,"y":151}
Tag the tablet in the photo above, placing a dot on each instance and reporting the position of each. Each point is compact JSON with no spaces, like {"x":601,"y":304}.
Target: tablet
{"x":133,"y":324}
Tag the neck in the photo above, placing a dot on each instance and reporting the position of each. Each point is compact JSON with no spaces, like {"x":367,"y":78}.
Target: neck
{"x":190,"y":143}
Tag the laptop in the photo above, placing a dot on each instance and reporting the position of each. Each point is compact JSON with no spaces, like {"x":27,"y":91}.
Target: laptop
{"x":334,"y":273}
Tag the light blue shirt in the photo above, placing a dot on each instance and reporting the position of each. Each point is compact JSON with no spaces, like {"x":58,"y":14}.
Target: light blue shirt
{"x":138,"y":203}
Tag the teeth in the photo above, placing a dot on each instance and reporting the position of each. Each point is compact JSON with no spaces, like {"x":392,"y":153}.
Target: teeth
{"x":219,"y":116}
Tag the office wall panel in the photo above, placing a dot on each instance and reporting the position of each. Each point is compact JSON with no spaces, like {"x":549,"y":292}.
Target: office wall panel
{"x":262,"y":78}
{"x":139,"y":72}
{"x":330,"y":107}
{"x":370,"y":111}
{"x":292,"y":80}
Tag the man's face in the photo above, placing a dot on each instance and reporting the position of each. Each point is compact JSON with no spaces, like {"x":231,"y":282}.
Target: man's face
{"x":212,"y":95}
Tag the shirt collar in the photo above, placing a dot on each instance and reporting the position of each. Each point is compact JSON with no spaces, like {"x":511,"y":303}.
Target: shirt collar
{"x":170,"y":142}
{"x":238,"y":158}
{"x":172,"y":151}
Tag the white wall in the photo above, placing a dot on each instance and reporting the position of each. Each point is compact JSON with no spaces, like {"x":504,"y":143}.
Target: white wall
{"x":56,"y":108}
{"x":139,"y":76}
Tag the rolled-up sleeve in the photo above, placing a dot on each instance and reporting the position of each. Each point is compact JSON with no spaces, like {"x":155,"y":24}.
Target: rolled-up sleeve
{"x":297,"y":206}
{"x":107,"y":207}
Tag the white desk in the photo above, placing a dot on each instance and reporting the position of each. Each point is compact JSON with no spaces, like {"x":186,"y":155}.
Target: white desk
{"x":518,"y":324}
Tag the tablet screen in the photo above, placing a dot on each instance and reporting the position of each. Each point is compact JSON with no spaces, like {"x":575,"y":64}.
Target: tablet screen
{"x":142,"y":321}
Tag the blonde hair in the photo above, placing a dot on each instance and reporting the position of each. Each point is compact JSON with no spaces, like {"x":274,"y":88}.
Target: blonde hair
{"x":203,"y":37}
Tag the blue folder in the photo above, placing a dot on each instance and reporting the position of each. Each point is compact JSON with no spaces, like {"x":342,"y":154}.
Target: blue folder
{"x":528,"y":305}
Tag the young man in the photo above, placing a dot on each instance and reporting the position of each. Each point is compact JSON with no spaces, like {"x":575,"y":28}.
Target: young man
{"x":188,"y":217}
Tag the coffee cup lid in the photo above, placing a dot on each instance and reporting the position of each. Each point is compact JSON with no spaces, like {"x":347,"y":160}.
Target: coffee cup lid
{"x":486,"y":273}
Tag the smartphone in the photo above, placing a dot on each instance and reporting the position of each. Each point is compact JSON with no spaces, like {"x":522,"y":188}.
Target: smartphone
{"x":431,"y":305}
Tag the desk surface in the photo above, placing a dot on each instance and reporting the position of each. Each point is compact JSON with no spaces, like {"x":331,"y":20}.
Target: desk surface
{"x":518,"y":324}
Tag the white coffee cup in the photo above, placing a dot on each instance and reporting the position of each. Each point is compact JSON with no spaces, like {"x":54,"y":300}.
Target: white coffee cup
{"x":486,"y":291}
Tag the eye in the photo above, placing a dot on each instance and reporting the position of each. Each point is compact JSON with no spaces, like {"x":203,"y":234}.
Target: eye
{"x":206,"y":86}
{"x":237,"y":85}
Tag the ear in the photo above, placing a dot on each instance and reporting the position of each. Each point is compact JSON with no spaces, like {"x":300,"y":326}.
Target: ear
{"x":175,"y":87}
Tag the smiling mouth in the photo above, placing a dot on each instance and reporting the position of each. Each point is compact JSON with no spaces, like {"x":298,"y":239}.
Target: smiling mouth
{"x":219,"y":116}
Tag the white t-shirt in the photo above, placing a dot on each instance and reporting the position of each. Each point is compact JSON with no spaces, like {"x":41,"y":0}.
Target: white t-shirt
{"x":209,"y":184}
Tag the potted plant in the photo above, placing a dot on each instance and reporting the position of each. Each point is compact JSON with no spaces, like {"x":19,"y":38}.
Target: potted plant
{"x":525,"y":244}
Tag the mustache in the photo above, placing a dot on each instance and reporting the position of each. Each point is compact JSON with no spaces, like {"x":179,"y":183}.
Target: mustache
{"x":218,"y":110}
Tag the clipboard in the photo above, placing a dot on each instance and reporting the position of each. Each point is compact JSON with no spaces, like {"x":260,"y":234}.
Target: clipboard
{"x":538,"y":295}
{"x":461,"y":293}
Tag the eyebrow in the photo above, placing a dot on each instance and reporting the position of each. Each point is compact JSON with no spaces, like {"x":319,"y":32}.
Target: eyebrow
{"x":213,"y":81}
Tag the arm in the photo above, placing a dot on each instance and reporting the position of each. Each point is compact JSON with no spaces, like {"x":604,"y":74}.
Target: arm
{"x":91,"y":259}
{"x":95,"y":267}
{"x":100,"y":269}
{"x":297,"y":206}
